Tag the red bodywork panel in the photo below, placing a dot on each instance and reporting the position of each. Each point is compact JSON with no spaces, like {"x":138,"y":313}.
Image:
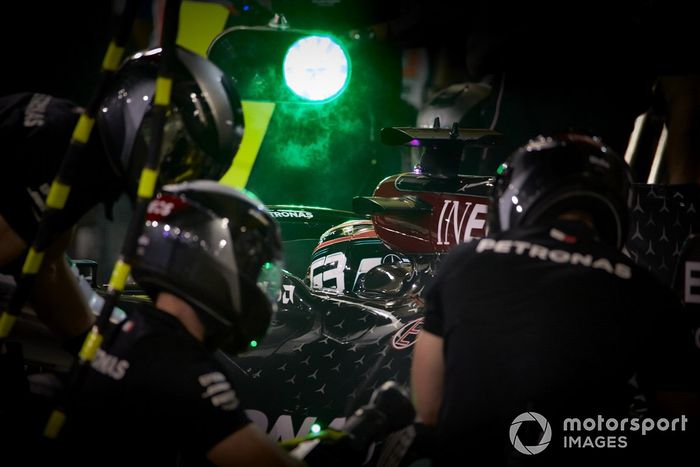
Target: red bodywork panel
{"x":445,"y":218}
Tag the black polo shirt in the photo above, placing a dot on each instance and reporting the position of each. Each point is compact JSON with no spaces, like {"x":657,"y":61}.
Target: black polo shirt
{"x":547,"y":319}
{"x":154,"y":396}
{"x":35,"y":131}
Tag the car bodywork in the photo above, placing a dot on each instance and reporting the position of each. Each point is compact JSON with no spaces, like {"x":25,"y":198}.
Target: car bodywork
{"x":350,"y":322}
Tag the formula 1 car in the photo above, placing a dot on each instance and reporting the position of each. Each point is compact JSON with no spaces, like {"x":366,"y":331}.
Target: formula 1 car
{"x":347,"y":318}
{"x":350,"y":306}
{"x":351,"y":303}
{"x":347,"y":321}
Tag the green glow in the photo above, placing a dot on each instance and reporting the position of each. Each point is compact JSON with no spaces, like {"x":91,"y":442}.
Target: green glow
{"x":270,"y":280}
{"x":501,"y":168}
{"x":320,"y":153}
{"x":315,"y":428}
{"x":316,"y":68}
{"x":252,"y":195}
{"x":300,"y":144}
{"x":253,"y":344}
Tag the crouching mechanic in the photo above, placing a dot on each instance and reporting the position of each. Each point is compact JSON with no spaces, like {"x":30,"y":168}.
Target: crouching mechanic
{"x":546,"y":320}
{"x":158,"y":390}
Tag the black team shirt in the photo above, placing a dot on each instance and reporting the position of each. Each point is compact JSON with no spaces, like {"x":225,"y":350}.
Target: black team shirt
{"x":154,"y":396}
{"x":35,"y":131}
{"x":547,"y":319}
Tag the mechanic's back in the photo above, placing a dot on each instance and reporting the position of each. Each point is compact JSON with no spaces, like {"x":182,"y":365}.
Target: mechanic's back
{"x":546,"y":315}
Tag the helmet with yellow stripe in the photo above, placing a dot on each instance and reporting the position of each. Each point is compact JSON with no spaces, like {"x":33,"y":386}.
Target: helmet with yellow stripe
{"x":204,"y":124}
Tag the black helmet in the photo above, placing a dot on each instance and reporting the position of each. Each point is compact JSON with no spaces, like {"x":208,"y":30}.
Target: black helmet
{"x":218,"y":249}
{"x":551,"y":175}
{"x":203,"y":129}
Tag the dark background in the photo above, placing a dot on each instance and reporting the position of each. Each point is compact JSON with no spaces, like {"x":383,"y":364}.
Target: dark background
{"x":54,"y":47}
{"x":57,"y":46}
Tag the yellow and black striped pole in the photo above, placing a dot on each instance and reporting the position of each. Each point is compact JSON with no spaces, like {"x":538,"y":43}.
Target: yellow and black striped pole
{"x":146,"y":189}
{"x":61,"y":186}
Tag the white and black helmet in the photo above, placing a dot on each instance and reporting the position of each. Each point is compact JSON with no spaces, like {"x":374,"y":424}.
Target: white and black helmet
{"x":218,"y":249}
{"x":553,"y":174}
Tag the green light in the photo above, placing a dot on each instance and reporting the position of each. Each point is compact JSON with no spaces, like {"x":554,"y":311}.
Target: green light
{"x":316,"y":68}
{"x":250,"y":194}
{"x":315,"y":428}
{"x":501,"y":168}
{"x":253,"y":344}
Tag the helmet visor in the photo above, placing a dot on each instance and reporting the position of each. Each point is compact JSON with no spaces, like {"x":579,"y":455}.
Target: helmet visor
{"x":181,"y":158}
{"x":199,"y":251}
